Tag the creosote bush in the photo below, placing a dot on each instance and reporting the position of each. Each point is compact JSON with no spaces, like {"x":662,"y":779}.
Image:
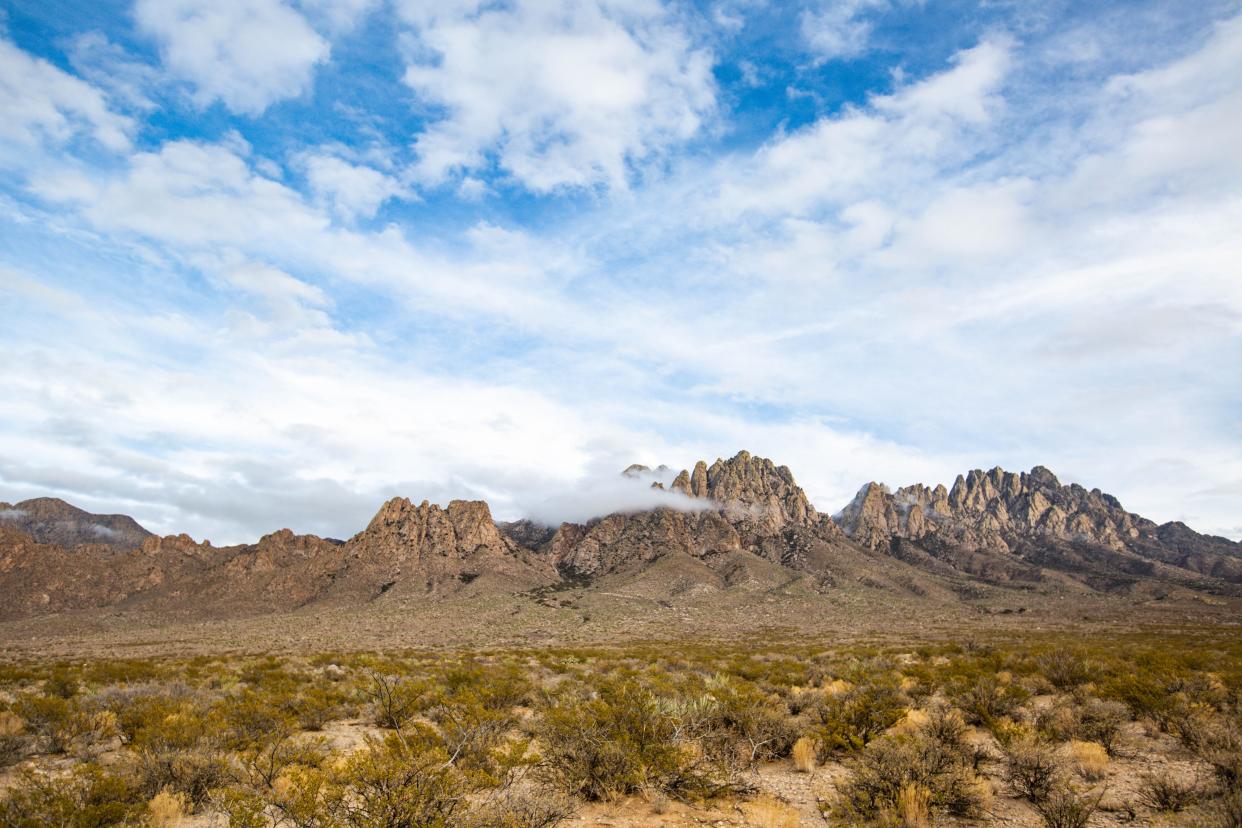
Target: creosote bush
{"x":1168,"y":792}
{"x":933,"y":759}
{"x":1033,"y":770}
{"x":625,"y":741}
{"x":521,"y":738}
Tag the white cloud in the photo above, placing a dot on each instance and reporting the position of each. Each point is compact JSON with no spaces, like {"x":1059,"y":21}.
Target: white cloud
{"x":247,"y":54}
{"x":897,"y":142}
{"x":339,"y":15}
{"x":559,"y":94}
{"x":41,"y":103}
{"x":352,"y":190}
{"x":837,"y":29}
{"x":603,"y":490}
{"x":948,"y":276}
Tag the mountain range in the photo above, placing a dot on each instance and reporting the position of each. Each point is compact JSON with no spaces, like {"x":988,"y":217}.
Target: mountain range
{"x":736,"y":526}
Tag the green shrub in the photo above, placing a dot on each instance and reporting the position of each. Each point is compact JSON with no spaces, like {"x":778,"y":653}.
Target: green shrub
{"x":250,"y":718}
{"x":52,"y":721}
{"x":1065,"y":669}
{"x":620,"y":743}
{"x":1066,"y":808}
{"x":405,"y":779}
{"x":850,"y":720}
{"x":987,"y":699}
{"x":1093,"y":720}
{"x":1033,"y":770}
{"x":317,"y":705}
{"x":395,"y":699}
{"x":88,"y":797}
{"x":933,"y":759}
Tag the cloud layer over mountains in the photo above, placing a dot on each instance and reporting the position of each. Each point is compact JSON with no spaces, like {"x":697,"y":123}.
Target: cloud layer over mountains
{"x":269,"y":263}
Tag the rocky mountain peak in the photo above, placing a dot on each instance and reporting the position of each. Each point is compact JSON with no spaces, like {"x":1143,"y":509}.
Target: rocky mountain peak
{"x":461,"y":528}
{"x":750,"y":505}
{"x":52,"y":520}
{"x":426,"y":546}
{"x":990,"y":509}
{"x":750,"y":490}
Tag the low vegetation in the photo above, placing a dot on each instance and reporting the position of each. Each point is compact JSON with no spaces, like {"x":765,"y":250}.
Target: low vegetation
{"x":524,"y":739}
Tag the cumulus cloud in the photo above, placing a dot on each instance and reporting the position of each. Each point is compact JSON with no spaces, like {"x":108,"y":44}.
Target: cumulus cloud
{"x":246,"y":54}
{"x":41,"y":103}
{"x":562,"y":94}
{"x":351,"y":190}
{"x":12,"y":514}
{"x":954,"y":274}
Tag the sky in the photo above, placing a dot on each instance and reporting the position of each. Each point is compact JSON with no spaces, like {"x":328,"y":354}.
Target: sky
{"x":266,"y":263}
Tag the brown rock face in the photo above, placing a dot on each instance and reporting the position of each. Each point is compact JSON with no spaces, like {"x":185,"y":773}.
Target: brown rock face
{"x":173,"y":575}
{"x":426,"y":547}
{"x":749,"y":504}
{"x":1030,"y":518}
{"x":51,"y":520}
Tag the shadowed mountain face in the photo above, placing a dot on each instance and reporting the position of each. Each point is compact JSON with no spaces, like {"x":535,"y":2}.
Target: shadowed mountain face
{"x":744,"y":527}
{"x":51,"y":520}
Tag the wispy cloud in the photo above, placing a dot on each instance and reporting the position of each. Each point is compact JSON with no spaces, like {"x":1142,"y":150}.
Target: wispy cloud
{"x":263,"y":316}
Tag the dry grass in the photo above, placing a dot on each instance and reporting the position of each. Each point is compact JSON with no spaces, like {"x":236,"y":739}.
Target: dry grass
{"x":657,"y":800}
{"x":913,"y":721}
{"x":914,"y":806}
{"x":10,"y":723}
{"x":167,"y":809}
{"x":837,"y":687}
{"x":770,"y":812}
{"x":1088,"y":759}
{"x":804,"y":752}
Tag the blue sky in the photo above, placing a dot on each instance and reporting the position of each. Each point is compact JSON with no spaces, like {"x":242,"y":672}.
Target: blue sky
{"x":264,"y":263}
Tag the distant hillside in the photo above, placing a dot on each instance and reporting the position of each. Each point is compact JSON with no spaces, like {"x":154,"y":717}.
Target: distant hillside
{"x":51,"y":520}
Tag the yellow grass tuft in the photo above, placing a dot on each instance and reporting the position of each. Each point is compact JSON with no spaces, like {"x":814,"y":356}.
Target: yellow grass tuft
{"x":769,"y":812}
{"x":914,"y":806}
{"x":914,"y":720}
{"x":804,"y":753}
{"x":10,"y":723}
{"x":836,"y":687}
{"x":167,"y":809}
{"x":1089,"y":759}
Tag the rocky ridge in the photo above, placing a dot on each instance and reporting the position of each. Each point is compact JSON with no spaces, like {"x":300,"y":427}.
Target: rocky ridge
{"x":1003,"y":523}
{"x":52,"y":520}
{"x":741,"y":523}
{"x":749,"y":506}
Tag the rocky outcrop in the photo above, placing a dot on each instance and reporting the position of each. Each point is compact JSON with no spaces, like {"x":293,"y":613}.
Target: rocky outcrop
{"x":53,"y":521}
{"x":426,"y":547}
{"x":173,"y":575}
{"x":748,"y":505}
{"x":1031,"y":519}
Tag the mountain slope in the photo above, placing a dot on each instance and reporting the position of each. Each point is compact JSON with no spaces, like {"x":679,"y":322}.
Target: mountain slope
{"x":1002,"y":526}
{"x":51,"y":520}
